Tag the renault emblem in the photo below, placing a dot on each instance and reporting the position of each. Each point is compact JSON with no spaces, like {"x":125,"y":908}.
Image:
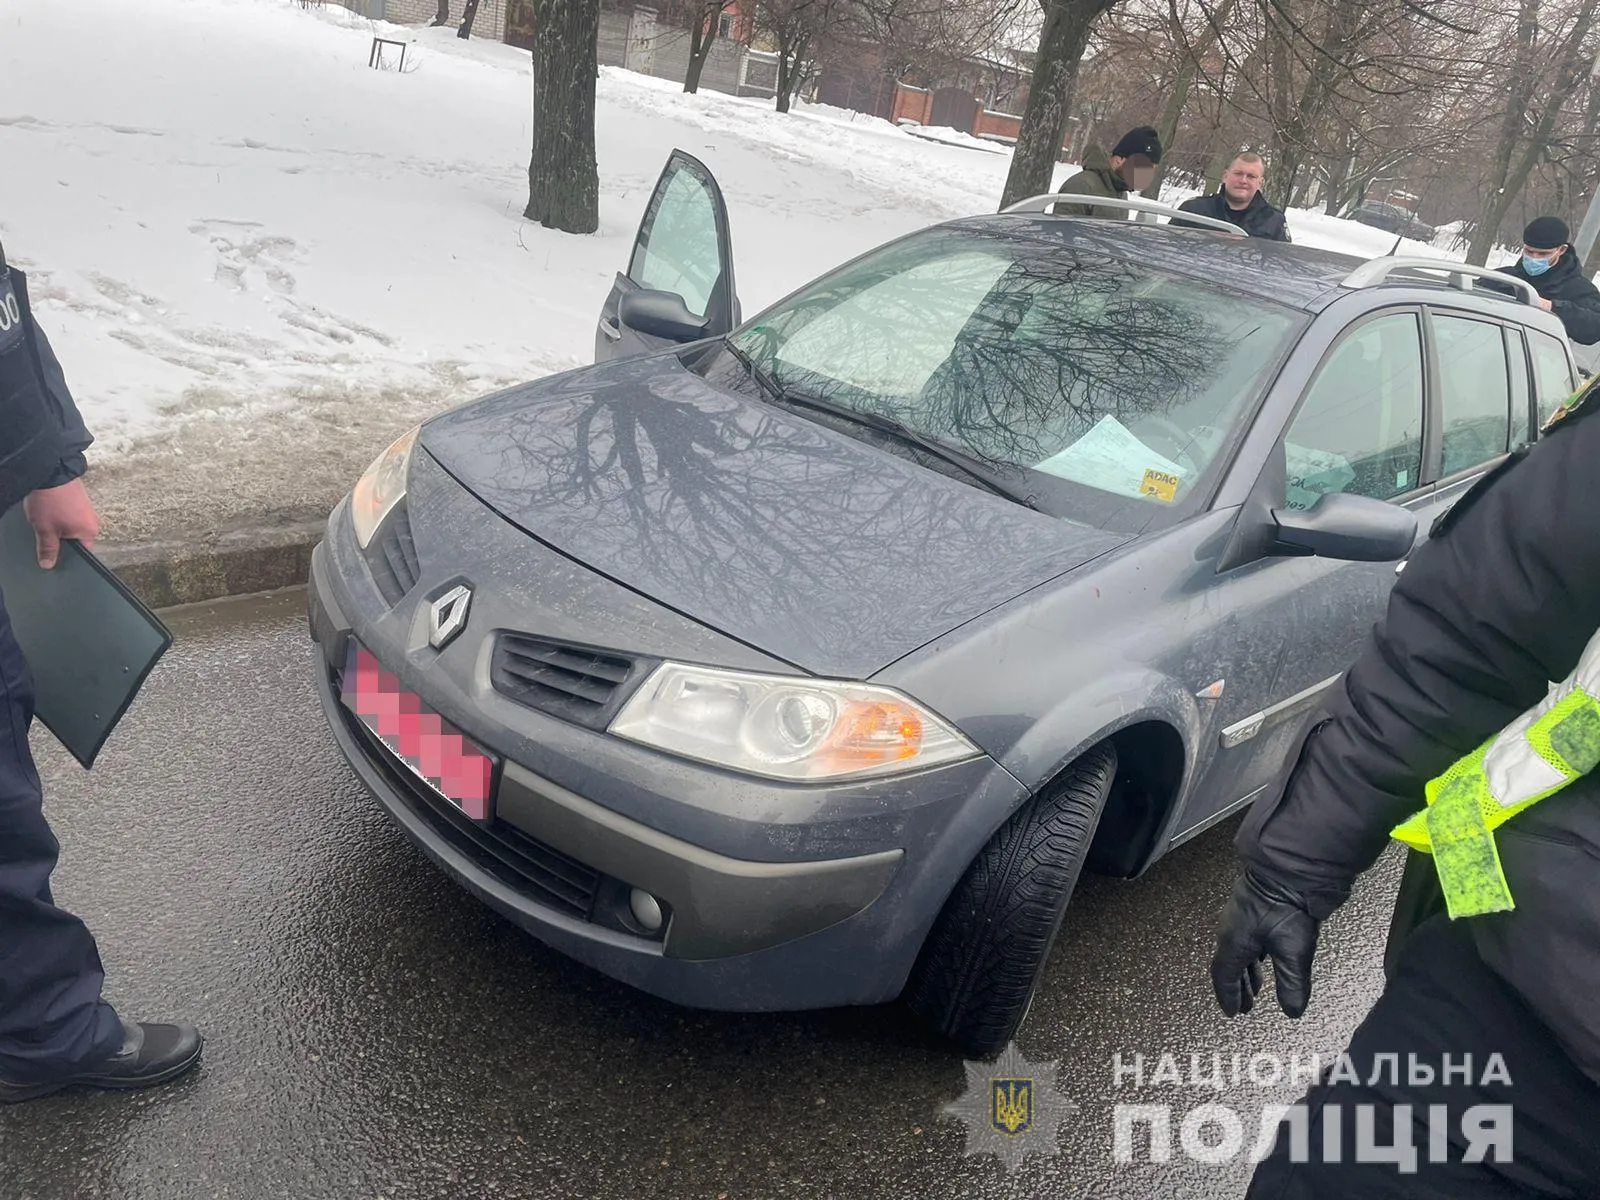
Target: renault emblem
{"x":447,"y":616}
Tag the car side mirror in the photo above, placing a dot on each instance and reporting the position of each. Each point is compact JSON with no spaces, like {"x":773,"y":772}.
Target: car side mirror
{"x":1351,"y":528}
{"x":660,"y":314}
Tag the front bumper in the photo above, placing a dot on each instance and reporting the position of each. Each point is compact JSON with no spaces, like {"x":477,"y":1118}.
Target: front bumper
{"x":778,"y":896}
{"x":719,"y":906}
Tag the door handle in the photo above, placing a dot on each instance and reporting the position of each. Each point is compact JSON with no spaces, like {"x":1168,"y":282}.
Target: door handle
{"x":611,"y":331}
{"x":1401,"y":566}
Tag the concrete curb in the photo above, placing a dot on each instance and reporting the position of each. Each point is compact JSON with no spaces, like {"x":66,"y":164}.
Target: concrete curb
{"x":189,"y":570}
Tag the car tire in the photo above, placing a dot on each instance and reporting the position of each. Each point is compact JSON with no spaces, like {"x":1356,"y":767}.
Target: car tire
{"x":974,"y":981}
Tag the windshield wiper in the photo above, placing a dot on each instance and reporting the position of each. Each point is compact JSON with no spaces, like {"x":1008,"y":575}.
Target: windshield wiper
{"x":971,"y":465}
{"x":769,"y":385}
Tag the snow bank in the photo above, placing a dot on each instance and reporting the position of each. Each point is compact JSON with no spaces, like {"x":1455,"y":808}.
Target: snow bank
{"x":230,"y":218}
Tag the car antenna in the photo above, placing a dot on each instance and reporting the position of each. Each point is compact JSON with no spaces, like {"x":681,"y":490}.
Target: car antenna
{"x":1395,"y":249}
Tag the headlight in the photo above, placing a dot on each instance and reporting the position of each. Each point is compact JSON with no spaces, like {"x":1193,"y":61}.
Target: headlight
{"x":382,"y":487}
{"x":786,"y":728}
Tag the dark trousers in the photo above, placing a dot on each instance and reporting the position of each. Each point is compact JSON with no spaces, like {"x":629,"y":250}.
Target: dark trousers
{"x":52,"y":1019}
{"x":1441,"y":1000}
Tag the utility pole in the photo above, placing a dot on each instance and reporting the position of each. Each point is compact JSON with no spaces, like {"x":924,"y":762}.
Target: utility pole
{"x":1589,"y":230}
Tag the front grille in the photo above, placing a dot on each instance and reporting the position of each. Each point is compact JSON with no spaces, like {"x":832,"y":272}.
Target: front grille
{"x":540,"y":872}
{"x":576,"y":683}
{"x":393,"y":557}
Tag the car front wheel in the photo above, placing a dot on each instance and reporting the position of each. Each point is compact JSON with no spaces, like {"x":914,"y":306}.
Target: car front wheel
{"x":975,"y":979}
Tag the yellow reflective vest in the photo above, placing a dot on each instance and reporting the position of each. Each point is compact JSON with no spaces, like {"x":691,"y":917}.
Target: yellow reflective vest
{"x":1542,"y":751}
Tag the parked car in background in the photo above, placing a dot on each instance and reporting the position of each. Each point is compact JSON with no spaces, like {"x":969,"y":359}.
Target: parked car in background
{"x":1393,"y":219}
{"x":807,"y":660}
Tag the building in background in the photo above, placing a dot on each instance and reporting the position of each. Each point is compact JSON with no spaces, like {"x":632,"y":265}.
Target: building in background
{"x":653,"y":40}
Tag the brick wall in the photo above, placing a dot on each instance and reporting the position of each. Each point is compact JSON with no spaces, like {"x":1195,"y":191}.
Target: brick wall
{"x":912,"y":104}
{"x":995,"y":124}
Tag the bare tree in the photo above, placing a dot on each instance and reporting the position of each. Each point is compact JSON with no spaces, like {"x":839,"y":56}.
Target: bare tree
{"x":442,"y":17}
{"x":1550,"y":61}
{"x":1062,"y":42}
{"x":1191,"y":55}
{"x":563,"y":178}
{"x":704,"y":17}
{"x":798,"y":27}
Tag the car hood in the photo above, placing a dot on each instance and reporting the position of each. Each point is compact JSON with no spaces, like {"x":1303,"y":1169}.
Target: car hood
{"x":798,"y":540}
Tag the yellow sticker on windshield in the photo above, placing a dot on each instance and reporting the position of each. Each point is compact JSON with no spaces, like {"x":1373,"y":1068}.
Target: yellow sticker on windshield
{"x":1160,"y":485}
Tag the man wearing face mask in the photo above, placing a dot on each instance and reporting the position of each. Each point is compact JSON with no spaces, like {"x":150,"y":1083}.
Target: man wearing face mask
{"x":1551,"y":264}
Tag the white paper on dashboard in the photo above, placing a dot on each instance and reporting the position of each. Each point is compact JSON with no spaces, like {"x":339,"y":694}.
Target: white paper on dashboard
{"x":1111,"y":458}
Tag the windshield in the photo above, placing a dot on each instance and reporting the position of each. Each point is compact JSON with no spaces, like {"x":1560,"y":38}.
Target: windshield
{"x":1109,"y":387}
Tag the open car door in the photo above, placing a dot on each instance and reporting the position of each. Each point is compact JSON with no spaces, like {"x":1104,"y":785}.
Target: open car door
{"x":679,"y":283}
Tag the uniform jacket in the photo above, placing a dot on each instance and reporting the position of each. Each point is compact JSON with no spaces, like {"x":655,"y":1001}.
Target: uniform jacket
{"x":1258,"y":219}
{"x":42,"y":434}
{"x":1497,"y":603}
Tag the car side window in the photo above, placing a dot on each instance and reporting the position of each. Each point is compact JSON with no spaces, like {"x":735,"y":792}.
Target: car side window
{"x":1552,"y":374}
{"x":1474,"y":391}
{"x":1359,"y":428}
{"x":678,"y":254}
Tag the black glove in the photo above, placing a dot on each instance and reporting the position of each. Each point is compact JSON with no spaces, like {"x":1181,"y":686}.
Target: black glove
{"x":1260,"y":919}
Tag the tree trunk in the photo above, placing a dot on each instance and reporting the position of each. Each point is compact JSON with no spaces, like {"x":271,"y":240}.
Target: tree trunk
{"x":789,"y":58}
{"x":1511,"y":170}
{"x":1182,"y":86}
{"x":1337,"y":201}
{"x":467,"y":17}
{"x":1167,"y":125}
{"x":563,"y":179}
{"x":442,"y":17}
{"x":1592,"y":263}
{"x":1301,"y":196}
{"x":1341,"y":165}
{"x":701,"y":38}
{"x":1055,"y":77}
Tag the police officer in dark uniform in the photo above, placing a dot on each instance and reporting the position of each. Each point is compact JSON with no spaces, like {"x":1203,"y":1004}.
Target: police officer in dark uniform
{"x":1476,"y":1075}
{"x":55,"y":1029}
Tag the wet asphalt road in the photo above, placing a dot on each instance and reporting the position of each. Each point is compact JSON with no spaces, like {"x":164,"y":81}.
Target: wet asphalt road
{"x":374,"y":1032}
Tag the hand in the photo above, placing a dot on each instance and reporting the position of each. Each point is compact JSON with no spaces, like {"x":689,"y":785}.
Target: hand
{"x":1258,"y":920}
{"x":1546,"y":305}
{"x":61,"y":512}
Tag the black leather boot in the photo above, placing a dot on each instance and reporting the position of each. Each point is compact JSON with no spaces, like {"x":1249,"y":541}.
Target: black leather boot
{"x":150,"y":1055}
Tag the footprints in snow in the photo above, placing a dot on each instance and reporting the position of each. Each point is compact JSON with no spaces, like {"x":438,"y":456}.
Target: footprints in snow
{"x":239,"y":249}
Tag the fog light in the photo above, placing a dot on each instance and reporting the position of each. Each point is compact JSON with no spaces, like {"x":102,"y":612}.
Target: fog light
{"x":646,"y":909}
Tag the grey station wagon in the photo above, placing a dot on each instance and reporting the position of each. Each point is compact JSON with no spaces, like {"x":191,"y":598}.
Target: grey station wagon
{"x":807,"y":660}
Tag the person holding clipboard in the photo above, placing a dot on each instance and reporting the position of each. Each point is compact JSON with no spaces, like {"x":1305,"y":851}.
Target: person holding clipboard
{"x":56,"y":1029}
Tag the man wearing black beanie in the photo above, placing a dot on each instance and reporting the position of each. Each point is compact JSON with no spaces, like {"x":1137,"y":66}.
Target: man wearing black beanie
{"x":1130,"y":167}
{"x":1549,"y":263}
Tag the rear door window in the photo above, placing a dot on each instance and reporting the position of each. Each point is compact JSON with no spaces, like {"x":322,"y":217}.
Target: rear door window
{"x":1552,"y":375}
{"x":1475,"y":392}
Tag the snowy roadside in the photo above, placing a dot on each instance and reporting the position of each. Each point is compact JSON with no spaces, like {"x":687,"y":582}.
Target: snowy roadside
{"x":259,"y":259}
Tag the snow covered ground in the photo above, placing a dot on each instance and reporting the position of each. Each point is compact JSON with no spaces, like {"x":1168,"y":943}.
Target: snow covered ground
{"x":240,"y":236}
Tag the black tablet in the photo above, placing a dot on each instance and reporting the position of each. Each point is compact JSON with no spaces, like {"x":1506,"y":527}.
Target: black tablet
{"x":89,"y":641}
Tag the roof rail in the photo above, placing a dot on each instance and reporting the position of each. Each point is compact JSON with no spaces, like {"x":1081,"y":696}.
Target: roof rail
{"x":1463,"y":276}
{"x":1049,"y":200}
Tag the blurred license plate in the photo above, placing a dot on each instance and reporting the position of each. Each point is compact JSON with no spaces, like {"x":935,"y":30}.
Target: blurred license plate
{"x":436,"y":752}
